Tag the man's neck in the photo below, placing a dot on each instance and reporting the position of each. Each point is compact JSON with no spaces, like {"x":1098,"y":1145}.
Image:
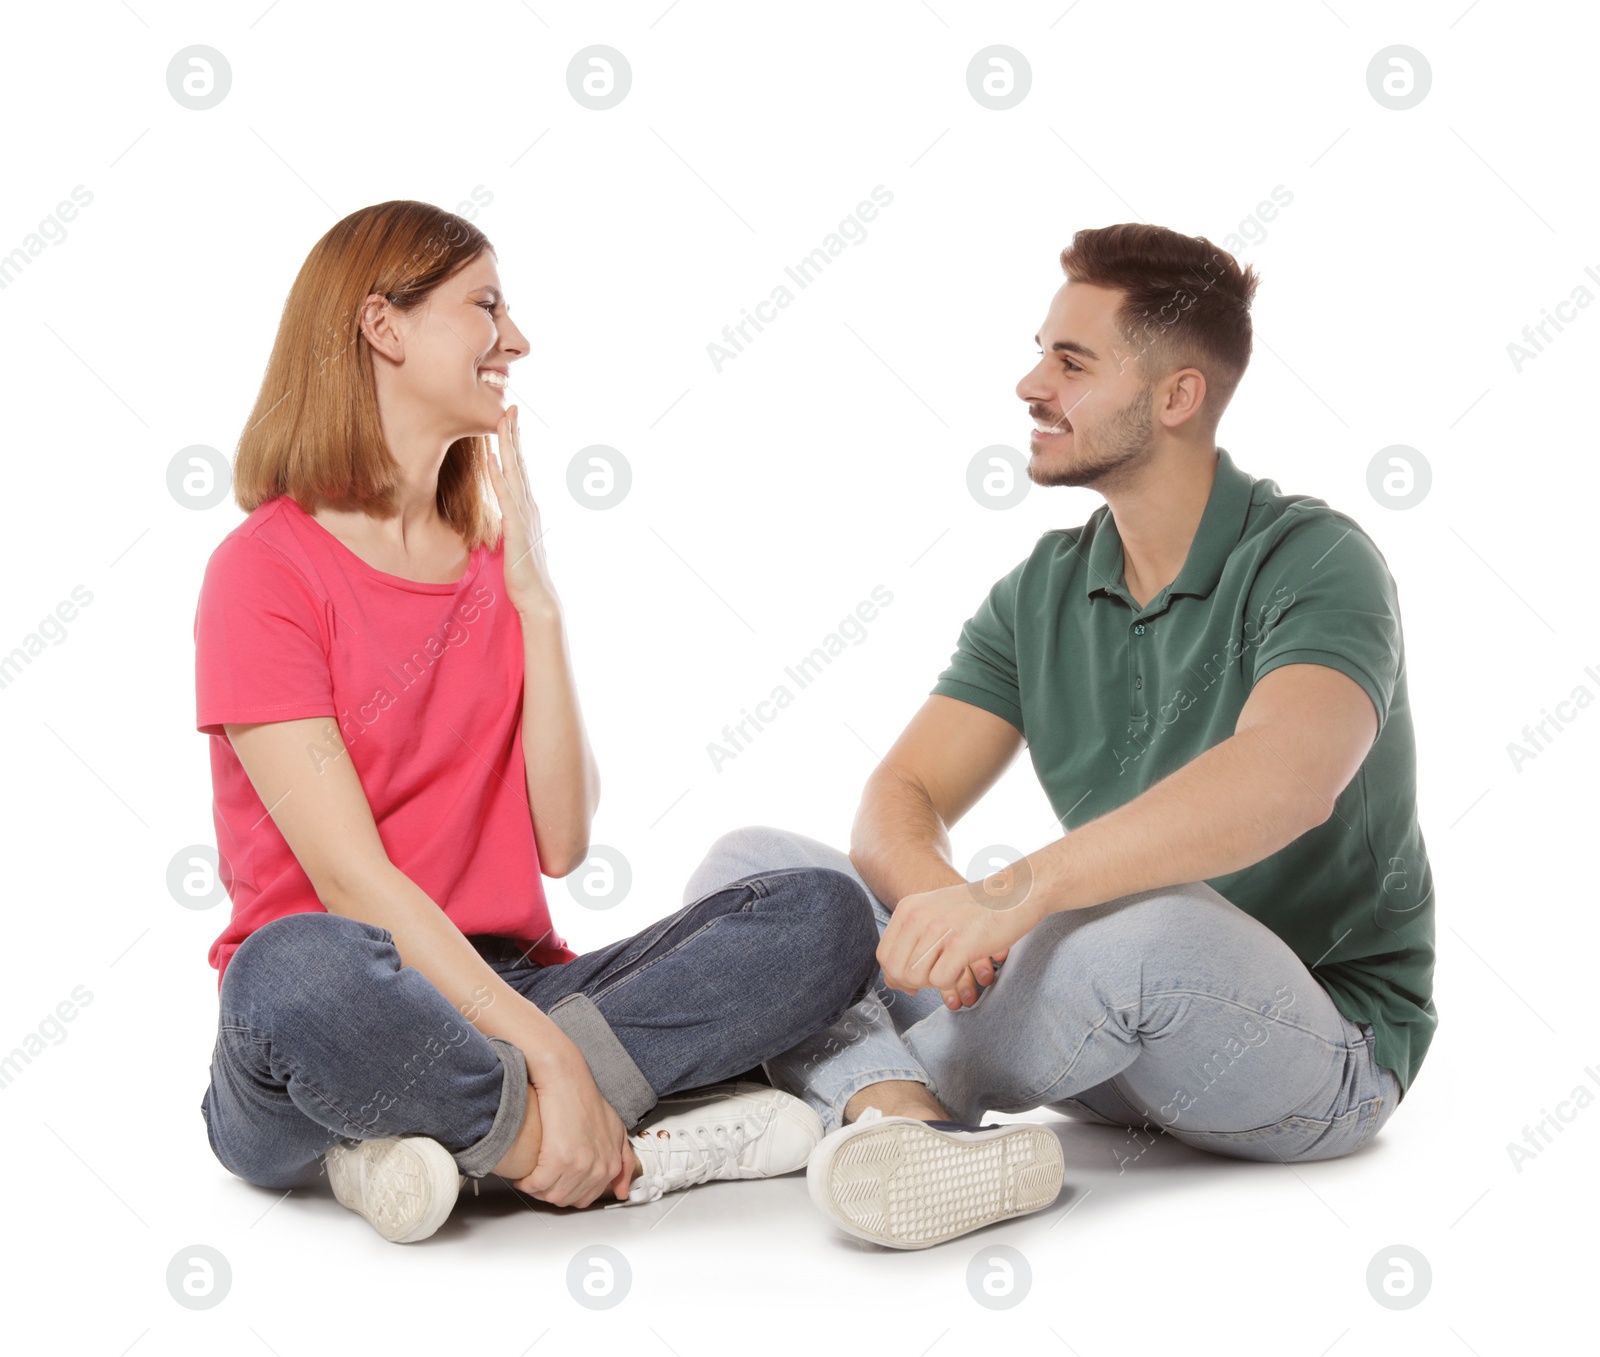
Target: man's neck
{"x":1157,"y":515}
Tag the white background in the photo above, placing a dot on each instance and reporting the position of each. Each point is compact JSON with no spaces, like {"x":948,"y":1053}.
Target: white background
{"x":768,"y":500}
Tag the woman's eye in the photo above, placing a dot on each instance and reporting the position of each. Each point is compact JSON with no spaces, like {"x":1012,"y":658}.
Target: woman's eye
{"x":488,"y":306}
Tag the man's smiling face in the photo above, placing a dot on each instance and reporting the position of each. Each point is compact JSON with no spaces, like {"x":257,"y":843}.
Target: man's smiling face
{"x":1087,"y":395}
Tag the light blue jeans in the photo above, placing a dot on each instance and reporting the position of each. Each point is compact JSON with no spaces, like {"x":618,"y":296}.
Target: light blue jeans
{"x":1169,"y":1011}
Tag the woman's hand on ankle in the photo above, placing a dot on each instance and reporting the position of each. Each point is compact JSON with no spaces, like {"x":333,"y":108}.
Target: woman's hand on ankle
{"x":631,"y":1168}
{"x":584,"y":1147}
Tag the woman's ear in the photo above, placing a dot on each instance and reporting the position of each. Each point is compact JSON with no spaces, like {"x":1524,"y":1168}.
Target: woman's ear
{"x":380,"y":324}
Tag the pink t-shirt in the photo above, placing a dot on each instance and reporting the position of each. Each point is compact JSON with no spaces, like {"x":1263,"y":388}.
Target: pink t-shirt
{"x":426,"y":683}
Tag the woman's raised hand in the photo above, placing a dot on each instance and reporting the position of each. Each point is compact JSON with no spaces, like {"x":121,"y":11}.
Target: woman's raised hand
{"x":528,"y":584}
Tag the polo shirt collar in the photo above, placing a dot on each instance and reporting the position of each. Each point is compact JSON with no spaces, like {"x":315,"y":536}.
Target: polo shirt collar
{"x":1221,"y":526}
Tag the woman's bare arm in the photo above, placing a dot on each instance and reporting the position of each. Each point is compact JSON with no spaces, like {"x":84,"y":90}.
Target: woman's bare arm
{"x":563,"y":778}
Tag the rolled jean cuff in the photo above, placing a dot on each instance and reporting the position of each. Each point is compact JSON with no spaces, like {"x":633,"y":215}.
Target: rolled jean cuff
{"x":908,"y":1074}
{"x":620,"y":1081}
{"x":477,"y":1160}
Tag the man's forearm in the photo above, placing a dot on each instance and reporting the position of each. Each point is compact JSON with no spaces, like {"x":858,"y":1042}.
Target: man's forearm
{"x":898,"y":842}
{"x":1224,"y":810}
{"x":427,"y":939}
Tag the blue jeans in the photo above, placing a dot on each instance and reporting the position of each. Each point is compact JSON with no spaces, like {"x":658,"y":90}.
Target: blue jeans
{"x":323,"y":1034}
{"x":1171,"y":1011}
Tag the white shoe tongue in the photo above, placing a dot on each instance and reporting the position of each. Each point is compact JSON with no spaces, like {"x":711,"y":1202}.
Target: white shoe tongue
{"x":682,"y":1157}
{"x":679,"y":1162}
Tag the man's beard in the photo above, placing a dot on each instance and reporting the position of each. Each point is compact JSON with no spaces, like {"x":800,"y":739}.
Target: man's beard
{"x":1117,"y":446}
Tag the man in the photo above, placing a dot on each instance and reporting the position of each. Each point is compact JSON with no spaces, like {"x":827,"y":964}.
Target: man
{"x":1232,"y":944}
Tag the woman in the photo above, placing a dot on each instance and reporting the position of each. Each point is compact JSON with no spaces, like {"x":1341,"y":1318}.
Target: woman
{"x":398,"y":754}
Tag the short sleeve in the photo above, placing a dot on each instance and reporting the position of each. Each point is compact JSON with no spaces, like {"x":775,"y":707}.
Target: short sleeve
{"x":1325,"y":596}
{"x":258,"y":640}
{"x":983,"y":669}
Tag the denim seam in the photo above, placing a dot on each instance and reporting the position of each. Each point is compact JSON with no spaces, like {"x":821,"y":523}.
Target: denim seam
{"x":1089,"y":1036}
{"x":333,"y":1108}
{"x":1326,"y":1123}
{"x":1353,"y":1115}
{"x":1244,"y":1008}
{"x":1376,"y":1102}
{"x":621,"y":980}
{"x":1072,"y":1061}
{"x":282,"y":1094}
{"x":1067,"y":1068}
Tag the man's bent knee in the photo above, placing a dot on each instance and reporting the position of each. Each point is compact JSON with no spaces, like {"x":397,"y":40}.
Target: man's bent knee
{"x":830,"y":933}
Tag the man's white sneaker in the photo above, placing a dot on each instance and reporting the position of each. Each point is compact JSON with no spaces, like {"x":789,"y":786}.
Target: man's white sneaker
{"x":909,"y":1184}
{"x":723,"y":1131}
{"x":405,"y":1186}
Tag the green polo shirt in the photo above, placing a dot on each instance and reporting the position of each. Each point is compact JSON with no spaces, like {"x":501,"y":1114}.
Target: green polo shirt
{"x":1112,"y":697}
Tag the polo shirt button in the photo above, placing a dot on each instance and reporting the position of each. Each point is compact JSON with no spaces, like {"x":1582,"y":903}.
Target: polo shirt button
{"x":1139,"y":629}
{"x":1138,"y":682}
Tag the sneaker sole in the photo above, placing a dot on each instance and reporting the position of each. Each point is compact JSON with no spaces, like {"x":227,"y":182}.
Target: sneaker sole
{"x":427,"y":1158}
{"x":907,"y":1186}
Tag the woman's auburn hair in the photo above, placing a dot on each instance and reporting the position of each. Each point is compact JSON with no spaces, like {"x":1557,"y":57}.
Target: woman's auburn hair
{"x":314,"y":433}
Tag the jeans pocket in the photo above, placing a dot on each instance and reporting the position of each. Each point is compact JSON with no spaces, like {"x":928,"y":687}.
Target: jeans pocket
{"x":1381,"y":1107}
{"x":1374,"y":1112}
{"x":1383,"y":1092}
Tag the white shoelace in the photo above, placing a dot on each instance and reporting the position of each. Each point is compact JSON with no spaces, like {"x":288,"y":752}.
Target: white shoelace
{"x":690,"y":1156}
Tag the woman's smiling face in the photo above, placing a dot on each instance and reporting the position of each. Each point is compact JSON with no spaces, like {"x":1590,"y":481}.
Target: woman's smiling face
{"x":459,"y":347}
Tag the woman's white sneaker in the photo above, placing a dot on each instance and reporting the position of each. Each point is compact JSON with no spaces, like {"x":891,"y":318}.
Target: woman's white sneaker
{"x":724,"y":1131}
{"x":405,"y":1186}
{"x":909,"y":1184}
